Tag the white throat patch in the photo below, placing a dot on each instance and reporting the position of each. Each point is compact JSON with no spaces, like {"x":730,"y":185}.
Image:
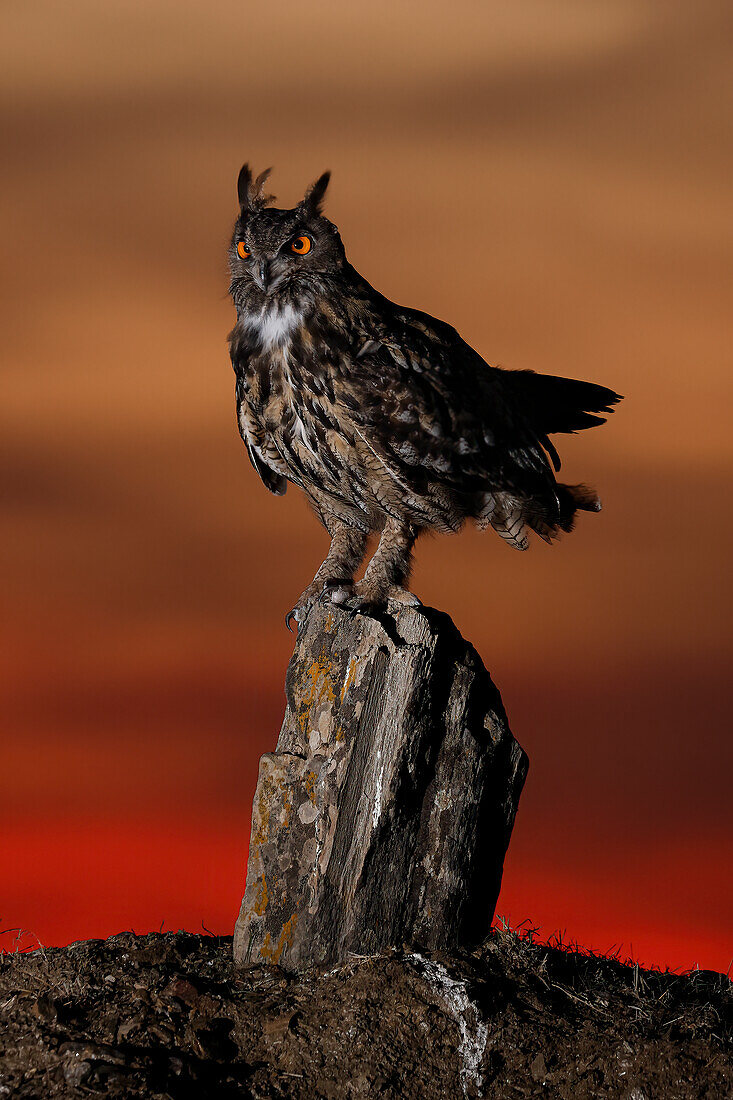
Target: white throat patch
{"x":274,"y":324}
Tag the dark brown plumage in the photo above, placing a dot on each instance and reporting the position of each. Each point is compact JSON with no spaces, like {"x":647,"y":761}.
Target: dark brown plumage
{"x":383,"y":415}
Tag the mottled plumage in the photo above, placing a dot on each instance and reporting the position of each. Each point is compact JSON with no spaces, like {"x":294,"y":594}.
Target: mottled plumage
{"x":383,"y":415}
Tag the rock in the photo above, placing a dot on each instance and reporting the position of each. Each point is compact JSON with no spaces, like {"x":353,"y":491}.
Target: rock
{"x":132,"y":1025}
{"x":47,"y":1009}
{"x":183,"y":990}
{"x":84,"y":1060}
{"x":538,"y":1069}
{"x":277,"y":1027}
{"x":384,"y":815}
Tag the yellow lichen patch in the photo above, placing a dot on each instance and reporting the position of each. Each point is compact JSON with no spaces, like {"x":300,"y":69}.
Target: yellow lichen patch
{"x":270,"y":792}
{"x":310,"y":786}
{"x":330,"y":623}
{"x":319,"y":689}
{"x":261,"y":817}
{"x":339,"y":732}
{"x":260,"y":904}
{"x":273,"y":952}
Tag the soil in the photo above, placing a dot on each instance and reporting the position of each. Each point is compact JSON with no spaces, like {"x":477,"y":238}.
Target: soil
{"x":166,"y":1015}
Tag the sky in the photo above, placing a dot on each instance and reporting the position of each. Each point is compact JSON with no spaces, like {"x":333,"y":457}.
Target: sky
{"x":553,"y":180}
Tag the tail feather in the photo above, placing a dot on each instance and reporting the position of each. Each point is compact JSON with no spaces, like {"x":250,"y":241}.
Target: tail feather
{"x":508,"y":520}
{"x":552,"y":404}
{"x":571,"y":499}
{"x":513,"y":517}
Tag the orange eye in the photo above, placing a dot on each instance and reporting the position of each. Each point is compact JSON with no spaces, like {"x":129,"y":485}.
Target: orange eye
{"x":242,"y":251}
{"x":301,"y":245}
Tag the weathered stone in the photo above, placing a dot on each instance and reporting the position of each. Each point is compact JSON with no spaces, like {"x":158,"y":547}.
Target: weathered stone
{"x":384,"y":815}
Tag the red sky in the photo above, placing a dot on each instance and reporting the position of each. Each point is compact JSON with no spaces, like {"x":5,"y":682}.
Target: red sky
{"x":553,"y":181}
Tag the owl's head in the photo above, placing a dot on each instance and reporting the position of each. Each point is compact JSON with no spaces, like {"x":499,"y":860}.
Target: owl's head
{"x":281,"y":253}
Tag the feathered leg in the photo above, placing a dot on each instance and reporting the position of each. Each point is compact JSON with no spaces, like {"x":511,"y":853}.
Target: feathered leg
{"x":388,"y":570}
{"x":336,"y":575}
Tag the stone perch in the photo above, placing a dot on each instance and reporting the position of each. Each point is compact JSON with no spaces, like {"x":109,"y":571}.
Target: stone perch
{"x":384,"y":815}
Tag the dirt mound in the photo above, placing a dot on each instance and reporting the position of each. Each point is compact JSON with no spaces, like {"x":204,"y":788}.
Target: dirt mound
{"x":165,"y":1015}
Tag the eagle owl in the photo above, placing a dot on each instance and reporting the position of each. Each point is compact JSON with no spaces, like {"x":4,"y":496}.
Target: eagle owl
{"x":385,"y":418}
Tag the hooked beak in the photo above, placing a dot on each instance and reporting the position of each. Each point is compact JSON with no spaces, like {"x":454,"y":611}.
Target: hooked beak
{"x":262,"y":274}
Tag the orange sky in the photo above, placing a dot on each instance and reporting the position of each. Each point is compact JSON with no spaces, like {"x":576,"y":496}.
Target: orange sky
{"x":554,"y":180}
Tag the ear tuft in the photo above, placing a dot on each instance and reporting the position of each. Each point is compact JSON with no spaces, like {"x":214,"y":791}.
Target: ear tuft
{"x":314,"y":195}
{"x":243,"y":184}
{"x":250,"y":193}
{"x":259,"y":198}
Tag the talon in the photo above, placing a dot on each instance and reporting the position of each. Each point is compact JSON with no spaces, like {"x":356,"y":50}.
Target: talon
{"x":292,"y":614}
{"x":356,"y":607}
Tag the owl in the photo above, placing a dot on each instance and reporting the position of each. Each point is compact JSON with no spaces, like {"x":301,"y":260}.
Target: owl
{"x":387,"y":420}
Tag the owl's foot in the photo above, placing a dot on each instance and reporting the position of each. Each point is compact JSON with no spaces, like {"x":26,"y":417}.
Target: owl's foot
{"x":303,"y":607}
{"x":336,"y":591}
{"x":397,"y":594}
{"x":370,"y":596}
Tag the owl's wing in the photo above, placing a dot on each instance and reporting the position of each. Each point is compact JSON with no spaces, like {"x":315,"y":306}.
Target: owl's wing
{"x":273,"y":481}
{"x":436,"y":412}
{"x":254,"y":440}
{"x":458,"y":437}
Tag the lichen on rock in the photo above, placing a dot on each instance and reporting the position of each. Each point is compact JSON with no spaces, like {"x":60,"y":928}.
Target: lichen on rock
{"x":384,"y":814}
